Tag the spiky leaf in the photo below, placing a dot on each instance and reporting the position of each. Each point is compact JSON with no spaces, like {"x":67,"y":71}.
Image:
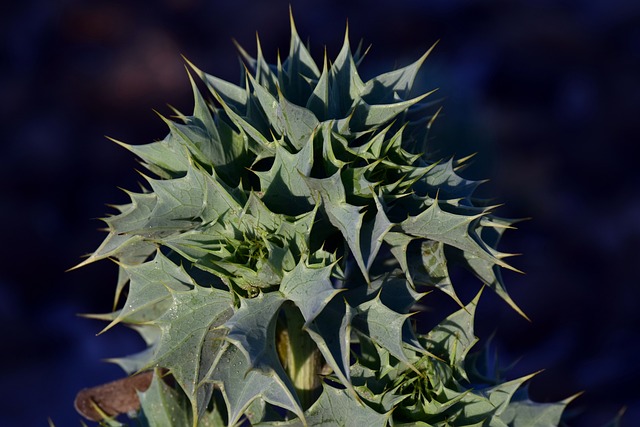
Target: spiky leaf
{"x":453,"y":338}
{"x":192,"y":336}
{"x":337,"y":407}
{"x":241,"y":385}
{"x":164,"y":406}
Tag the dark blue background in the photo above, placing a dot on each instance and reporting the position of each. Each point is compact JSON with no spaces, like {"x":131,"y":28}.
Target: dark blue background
{"x":546,"y":91}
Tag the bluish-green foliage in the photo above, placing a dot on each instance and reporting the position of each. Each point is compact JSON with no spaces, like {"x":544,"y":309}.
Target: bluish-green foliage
{"x":306,"y":190}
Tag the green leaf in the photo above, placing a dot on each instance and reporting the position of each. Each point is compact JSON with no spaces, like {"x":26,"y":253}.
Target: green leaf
{"x":202,"y":115}
{"x":268,"y":103}
{"x":264,"y":72}
{"x":452,"y":229}
{"x":525,"y":413}
{"x":163,"y":406}
{"x":127,"y":248}
{"x":234,"y":154}
{"x":299,"y":67}
{"x":309,"y":287}
{"x":150,"y":289}
{"x":117,"y":246}
{"x":473,"y":409}
{"x":219,"y":199}
{"x":241,"y":385}
{"x":383,"y":326}
{"x":131,"y":254}
{"x":188,"y":201}
{"x":135,"y":215}
{"x":331,"y":331}
{"x":221,"y":147}
{"x":452,"y":339}
{"x":383,"y":402}
{"x":435,"y":407}
{"x":332,"y":164}
{"x":393,"y":290}
{"x":233,"y":96}
{"x":399,"y":244}
{"x":166,"y":158}
{"x":296,"y":230}
{"x":337,"y":407}
{"x":372,"y":234}
{"x":345,"y":85}
{"x":253,"y":249}
{"x":366,"y":116}
{"x":491,"y":230}
{"x":201,"y":246}
{"x":429,"y":267}
{"x":192,"y":337}
{"x":196,"y":139}
{"x":257,"y":142}
{"x":297,"y":123}
{"x":283,"y":188}
{"x":372,"y":147}
{"x":318,"y":101}
{"x":363,"y":240}
{"x":501,"y":395}
{"x":387,"y":87}
{"x":446,"y":183}
{"x":358,"y":185}
{"x":252,"y":329}
{"x":488,"y":272}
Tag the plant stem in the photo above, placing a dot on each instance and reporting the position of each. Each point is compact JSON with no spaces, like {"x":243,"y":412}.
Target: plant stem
{"x":300,"y":356}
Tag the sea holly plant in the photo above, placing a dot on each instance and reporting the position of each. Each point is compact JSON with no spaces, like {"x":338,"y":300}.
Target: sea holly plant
{"x":289,"y":230}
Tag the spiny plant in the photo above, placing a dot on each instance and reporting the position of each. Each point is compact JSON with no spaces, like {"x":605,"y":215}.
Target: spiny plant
{"x":274,"y":263}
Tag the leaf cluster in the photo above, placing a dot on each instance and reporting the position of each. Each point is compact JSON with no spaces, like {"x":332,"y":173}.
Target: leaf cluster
{"x":307,"y":189}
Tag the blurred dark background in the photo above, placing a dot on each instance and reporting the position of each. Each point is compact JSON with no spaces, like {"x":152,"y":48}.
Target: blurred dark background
{"x":546,"y":91}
